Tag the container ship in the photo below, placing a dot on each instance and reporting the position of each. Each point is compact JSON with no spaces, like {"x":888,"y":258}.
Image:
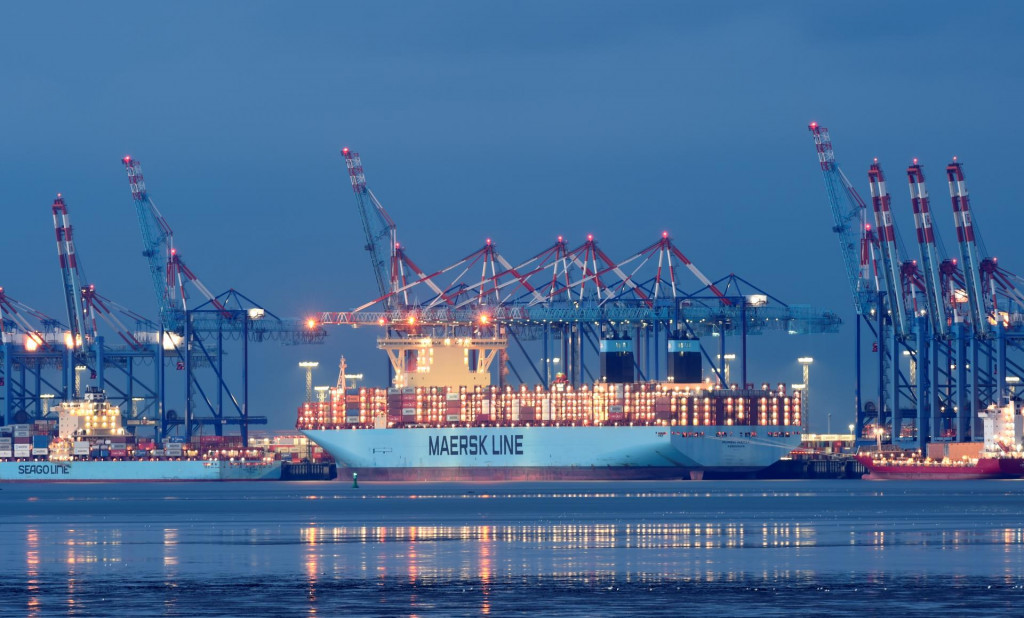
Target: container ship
{"x":88,"y":442}
{"x":1000,"y":456}
{"x":443,"y":420}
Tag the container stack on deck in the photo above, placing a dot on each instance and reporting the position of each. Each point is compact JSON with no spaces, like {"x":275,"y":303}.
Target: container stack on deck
{"x":602,"y":404}
{"x":41,"y":441}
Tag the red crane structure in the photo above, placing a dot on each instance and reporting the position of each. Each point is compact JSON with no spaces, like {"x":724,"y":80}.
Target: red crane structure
{"x":574,"y":296}
{"x":84,"y":303}
{"x":953,"y":321}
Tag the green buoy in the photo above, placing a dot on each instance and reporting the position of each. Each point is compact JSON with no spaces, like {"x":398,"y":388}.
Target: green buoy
{"x":355,"y":480}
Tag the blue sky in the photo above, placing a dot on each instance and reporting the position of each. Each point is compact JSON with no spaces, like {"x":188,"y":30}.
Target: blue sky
{"x":514,"y":121}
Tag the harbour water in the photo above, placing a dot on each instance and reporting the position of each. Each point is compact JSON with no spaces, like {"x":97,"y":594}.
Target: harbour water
{"x":754,"y":548}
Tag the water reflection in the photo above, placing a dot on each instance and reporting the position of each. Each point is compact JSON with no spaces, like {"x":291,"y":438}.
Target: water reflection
{"x":459,"y":553}
{"x":484,"y":560}
{"x":312,"y":570}
{"x":170,"y":550}
{"x":169,"y":545}
{"x":71,"y":561}
{"x":487,"y":553}
{"x":709,"y":535}
{"x":32,"y":571}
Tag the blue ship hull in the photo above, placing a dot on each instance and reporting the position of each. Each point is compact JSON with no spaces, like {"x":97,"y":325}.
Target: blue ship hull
{"x":139,"y":471}
{"x":545,"y":452}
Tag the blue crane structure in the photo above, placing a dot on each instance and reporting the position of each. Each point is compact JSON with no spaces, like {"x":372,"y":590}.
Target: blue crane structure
{"x":195,"y":337}
{"x":33,"y":358}
{"x":43,"y":358}
{"x":859,"y":252}
{"x":132,"y":358}
{"x":566,"y":298}
{"x":941,"y":328}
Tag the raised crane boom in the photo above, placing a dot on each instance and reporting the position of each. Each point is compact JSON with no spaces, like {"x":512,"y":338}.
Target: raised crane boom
{"x":380,"y":230}
{"x":891,"y":264}
{"x":70,"y":273}
{"x":929,"y":254}
{"x":968,"y":246}
{"x":166,"y":267}
{"x":84,"y":303}
{"x":849,"y":213}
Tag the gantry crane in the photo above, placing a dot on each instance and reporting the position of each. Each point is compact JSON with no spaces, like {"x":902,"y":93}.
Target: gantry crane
{"x":167,"y":269}
{"x":860,"y":252}
{"x":197,"y":332}
{"x":378,"y":227}
{"x":953,"y":321}
{"x":575,"y":296}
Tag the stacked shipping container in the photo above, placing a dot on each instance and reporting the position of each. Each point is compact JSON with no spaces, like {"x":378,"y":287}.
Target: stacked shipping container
{"x":601,"y":404}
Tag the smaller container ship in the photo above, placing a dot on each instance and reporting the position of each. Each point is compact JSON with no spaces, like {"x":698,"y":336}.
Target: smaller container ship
{"x":88,"y":442}
{"x":1000,"y":456}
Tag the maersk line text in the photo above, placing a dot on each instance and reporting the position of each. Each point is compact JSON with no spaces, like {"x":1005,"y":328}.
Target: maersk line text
{"x":511,"y":444}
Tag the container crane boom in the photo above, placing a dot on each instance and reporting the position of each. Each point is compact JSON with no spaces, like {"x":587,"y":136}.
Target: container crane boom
{"x":12,"y":319}
{"x":166,"y":267}
{"x":968,"y":246}
{"x":71,"y":273}
{"x":891,"y":264}
{"x":85,"y":305}
{"x":849,"y":213}
{"x":929,"y":254}
{"x":378,"y":227}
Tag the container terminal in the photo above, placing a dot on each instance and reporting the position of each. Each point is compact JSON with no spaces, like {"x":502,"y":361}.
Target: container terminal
{"x":941,"y":332}
{"x":938,"y":334}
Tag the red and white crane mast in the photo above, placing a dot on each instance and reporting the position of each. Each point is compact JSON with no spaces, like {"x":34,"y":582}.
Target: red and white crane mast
{"x":968,"y":245}
{"x":929,"y":254}
{"x":70,"y":274}
{"x":887,"y":243}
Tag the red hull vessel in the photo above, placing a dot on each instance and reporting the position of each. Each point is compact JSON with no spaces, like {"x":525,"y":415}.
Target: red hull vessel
{"x":911,"y":468}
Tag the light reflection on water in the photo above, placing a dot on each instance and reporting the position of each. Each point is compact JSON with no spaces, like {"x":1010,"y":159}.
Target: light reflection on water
{"x":707,"y":535}
{"x":32,"y":570}
{"x":472,"y":549}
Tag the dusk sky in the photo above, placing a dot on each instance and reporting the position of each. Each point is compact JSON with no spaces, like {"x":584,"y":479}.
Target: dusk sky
{"x":513,"y":121}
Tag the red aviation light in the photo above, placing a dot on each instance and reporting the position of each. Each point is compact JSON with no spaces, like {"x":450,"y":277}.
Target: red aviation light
{"x":664,"y":234}
{"x":590,"y":237}
{"x":814,"y":125}
{"x":344,"y":150}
